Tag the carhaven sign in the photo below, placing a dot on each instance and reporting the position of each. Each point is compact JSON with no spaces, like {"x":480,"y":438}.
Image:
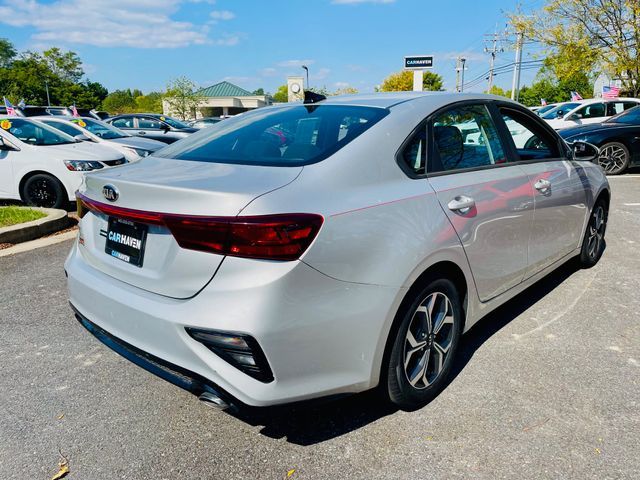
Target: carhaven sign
{"x":418,"y":62}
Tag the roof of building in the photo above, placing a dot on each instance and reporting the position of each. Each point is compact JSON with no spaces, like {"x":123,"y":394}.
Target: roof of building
{"x":224,"y":89}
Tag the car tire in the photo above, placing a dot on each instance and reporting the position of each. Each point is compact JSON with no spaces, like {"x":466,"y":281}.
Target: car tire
{"x":43,"y":190}
{"x":424,"y":346}
{"x":614,"y":158}
{"x":593,"y":243}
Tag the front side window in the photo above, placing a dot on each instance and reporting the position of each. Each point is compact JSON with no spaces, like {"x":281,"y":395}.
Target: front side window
{"x":530,"y":139}
{"x":173,"y":122}
{"x":36,"y":133}
{"x":149,"y":122}
{"x":284,"y":136}
{"x":465,"y":137}
{"x":594,"y":110}
{"x":101,"y":129}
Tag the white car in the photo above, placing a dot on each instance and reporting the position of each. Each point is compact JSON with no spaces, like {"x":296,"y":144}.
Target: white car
{"x":584,"y":112}
{"x":133,"y":148}
{"x":354,"y":254}
{"x":43,"y":166}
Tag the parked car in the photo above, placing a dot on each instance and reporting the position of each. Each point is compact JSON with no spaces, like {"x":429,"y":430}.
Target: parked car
{"x":90,"y":129}
{"x":584,"y":112}
{"x":353,"y":257}
{"x":618,"y":139}
{"x":37,"y":111}
{"x":545,"y":108}
{"x":154,"y":126}
{"x":102,"y":115}
{"x":43,"y":166}
{"x":204,"y":122}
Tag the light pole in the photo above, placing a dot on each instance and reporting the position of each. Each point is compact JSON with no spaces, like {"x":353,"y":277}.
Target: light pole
{"x":307,"y":70}
{"x":462,"y":62}
{"x":46,"y":86}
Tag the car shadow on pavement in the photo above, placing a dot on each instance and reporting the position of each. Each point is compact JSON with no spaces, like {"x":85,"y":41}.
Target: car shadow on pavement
{"x":312,"y":423}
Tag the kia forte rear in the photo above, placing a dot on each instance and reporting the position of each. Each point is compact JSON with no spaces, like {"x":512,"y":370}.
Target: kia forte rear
{"x":309,"y":250}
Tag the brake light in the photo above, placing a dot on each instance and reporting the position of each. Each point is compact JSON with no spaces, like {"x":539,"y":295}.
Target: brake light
{"x":270,"y":237}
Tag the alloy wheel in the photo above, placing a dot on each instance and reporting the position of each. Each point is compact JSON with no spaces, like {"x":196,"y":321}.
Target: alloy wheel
{"x":613,"y":158}
{"x":597,"y":225}
{"x":428,"y":340}
{"x":42,"y":193}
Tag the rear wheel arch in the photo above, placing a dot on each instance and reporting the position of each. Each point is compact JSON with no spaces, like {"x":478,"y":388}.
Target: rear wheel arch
{"x":443,"y":269}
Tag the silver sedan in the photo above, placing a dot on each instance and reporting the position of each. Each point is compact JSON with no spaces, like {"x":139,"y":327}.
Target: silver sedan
{"x":307,"y":250}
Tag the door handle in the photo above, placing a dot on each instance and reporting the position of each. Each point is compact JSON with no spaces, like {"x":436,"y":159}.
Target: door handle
{"x":461,"y":204}
{"x":142,"y":133}
{"x":542,"y":185}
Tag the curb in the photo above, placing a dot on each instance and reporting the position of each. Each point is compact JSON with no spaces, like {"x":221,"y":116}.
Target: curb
{"x":39,"y":243}
{"x":54,"y":221}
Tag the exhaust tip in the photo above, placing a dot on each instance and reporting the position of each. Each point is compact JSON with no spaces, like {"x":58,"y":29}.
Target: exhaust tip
{"x":214,"y":401}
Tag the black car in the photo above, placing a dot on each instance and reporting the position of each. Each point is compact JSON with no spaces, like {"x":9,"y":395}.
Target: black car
{"x":152,"y":125}
{"x":618,"y":139}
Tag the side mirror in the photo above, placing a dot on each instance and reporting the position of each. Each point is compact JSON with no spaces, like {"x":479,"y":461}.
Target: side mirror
{"x":559,"y":114}
{"x":164,"y":127}
{"x":584,"y":151}
{"x":6,"y":146}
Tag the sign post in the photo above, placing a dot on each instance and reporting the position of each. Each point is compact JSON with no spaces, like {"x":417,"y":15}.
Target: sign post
{"x":418,"y":64}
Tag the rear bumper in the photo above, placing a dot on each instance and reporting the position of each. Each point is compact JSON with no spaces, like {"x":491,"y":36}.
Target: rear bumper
{"x":320,"y":336}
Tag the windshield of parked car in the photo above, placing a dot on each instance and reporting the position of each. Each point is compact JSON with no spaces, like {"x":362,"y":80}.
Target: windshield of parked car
{"x":100,"y":129}
{"x":35,"y":133}
{"x":173,"y":122}
{"x":62,"y":126}
{"x":544,"y":109}
{"x":564,"y":108}
{"x":631,"y":116}
{"x":280,"y":136}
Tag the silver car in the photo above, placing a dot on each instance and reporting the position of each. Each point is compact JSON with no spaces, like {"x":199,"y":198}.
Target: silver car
{"x":308,"y":250}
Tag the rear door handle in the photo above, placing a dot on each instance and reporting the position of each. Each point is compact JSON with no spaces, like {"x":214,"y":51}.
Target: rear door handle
{"x":461,"y":204}
{"x":142,"y":133}
{"x":542,"y":185}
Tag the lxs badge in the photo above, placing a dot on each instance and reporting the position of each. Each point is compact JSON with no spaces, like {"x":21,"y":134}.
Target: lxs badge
{"x":110,"y":193}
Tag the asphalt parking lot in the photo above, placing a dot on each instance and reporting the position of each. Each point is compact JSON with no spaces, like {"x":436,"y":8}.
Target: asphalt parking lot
{"x":548,"y":386}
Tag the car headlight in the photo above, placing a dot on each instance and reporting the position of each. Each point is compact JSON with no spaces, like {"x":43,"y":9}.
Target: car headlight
{"x":82,"y":165}
{"x":139,"y":151}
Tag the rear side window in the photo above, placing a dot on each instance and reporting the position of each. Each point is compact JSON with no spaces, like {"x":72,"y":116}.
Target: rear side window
{"x":465,"y":137}
{"x":289,"y":136}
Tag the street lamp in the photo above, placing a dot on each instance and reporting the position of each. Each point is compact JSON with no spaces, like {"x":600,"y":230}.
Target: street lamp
{"x":307,"y":70}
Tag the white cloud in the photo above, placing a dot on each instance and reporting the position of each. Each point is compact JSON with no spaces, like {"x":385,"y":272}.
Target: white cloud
{"x":341,"y":85}
{"x":356,"y":2}
{"x":320,"y":74}
{"x":222,"y":15}
{"x":268,"y":72}
{"x":109,"y":23}
{"x":295,"y":63}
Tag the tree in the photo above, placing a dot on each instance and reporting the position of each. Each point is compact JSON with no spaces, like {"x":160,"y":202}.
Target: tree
{"x":588,"y":37}
{"x":64,"y":65}
{"x":282,"y":94}
{"x":150,"y":103}
{"x":495,"y":90}
{"x":403,"y":81}
{"x":346,"y":91}
{"x":259,"y":91}
{"x":7,"y":53}
{"x":182,"y":97}
{"x":119,"y":101}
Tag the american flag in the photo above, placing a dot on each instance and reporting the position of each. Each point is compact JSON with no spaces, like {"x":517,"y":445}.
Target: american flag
{"x":575,"y":96}
{"x":610,"y":92}
{"x":543,"y":102}
{"x":9,"y":107}
{"x":74,"y":111}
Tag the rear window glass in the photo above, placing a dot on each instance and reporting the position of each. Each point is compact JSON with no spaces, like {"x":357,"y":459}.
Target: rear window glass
{"x":287,"y":136}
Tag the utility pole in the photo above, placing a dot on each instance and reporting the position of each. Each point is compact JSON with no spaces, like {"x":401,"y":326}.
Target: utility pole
{"x":46,"y":86}
{"x":462,"y":62}
{"x":493,"y":50}
{"x":457,"y":74}
{"x":515,"y":86}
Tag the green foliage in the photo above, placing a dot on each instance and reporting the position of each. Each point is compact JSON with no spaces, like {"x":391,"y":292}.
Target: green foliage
{"x":554,"y":91}
{"x":27,"y":76}
{"x":150,"y":103}
{"x":15,"y":215}
{"x":282,"y":94}
{"x":495,"y":90}
{"x":259,"y":91}
{"x":119,"y":101}
{"x":182,"y":98}
{"x":403,"y":82}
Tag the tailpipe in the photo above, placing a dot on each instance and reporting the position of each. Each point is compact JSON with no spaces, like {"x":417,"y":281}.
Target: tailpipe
{"x":214,"y":401}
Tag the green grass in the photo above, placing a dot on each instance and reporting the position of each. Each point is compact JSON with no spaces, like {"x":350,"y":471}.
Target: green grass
{"x":14,"y":215}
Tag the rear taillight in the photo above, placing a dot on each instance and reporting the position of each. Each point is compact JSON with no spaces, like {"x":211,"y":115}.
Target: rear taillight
{"x":270,"y":237}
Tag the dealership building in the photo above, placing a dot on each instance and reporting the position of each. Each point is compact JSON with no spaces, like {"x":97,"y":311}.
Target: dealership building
{"x":223,"y":99}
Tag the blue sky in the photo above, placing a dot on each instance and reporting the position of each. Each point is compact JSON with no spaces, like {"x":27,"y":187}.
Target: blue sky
{"x":144,"y":43}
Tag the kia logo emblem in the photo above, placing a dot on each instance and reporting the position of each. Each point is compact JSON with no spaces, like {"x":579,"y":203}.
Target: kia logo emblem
{"x":110,"y":193}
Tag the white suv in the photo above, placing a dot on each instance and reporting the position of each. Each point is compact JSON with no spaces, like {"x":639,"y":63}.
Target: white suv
{"x":583,"y":112}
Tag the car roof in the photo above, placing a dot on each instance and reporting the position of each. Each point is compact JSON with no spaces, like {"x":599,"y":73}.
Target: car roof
{"x":68,"y":118}
{"x":391,"y":99}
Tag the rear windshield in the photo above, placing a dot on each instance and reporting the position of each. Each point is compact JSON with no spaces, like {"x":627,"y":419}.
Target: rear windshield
{"x":283,"y":136}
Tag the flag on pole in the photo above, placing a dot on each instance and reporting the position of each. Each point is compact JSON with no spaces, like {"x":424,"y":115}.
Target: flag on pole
{"x":543,"y":102}
{"x":21,"y":103}
{"x":10,"y":109}
{"x":610,"y":92}
{"x":575,"y":96}
{"x":74,"y":110}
